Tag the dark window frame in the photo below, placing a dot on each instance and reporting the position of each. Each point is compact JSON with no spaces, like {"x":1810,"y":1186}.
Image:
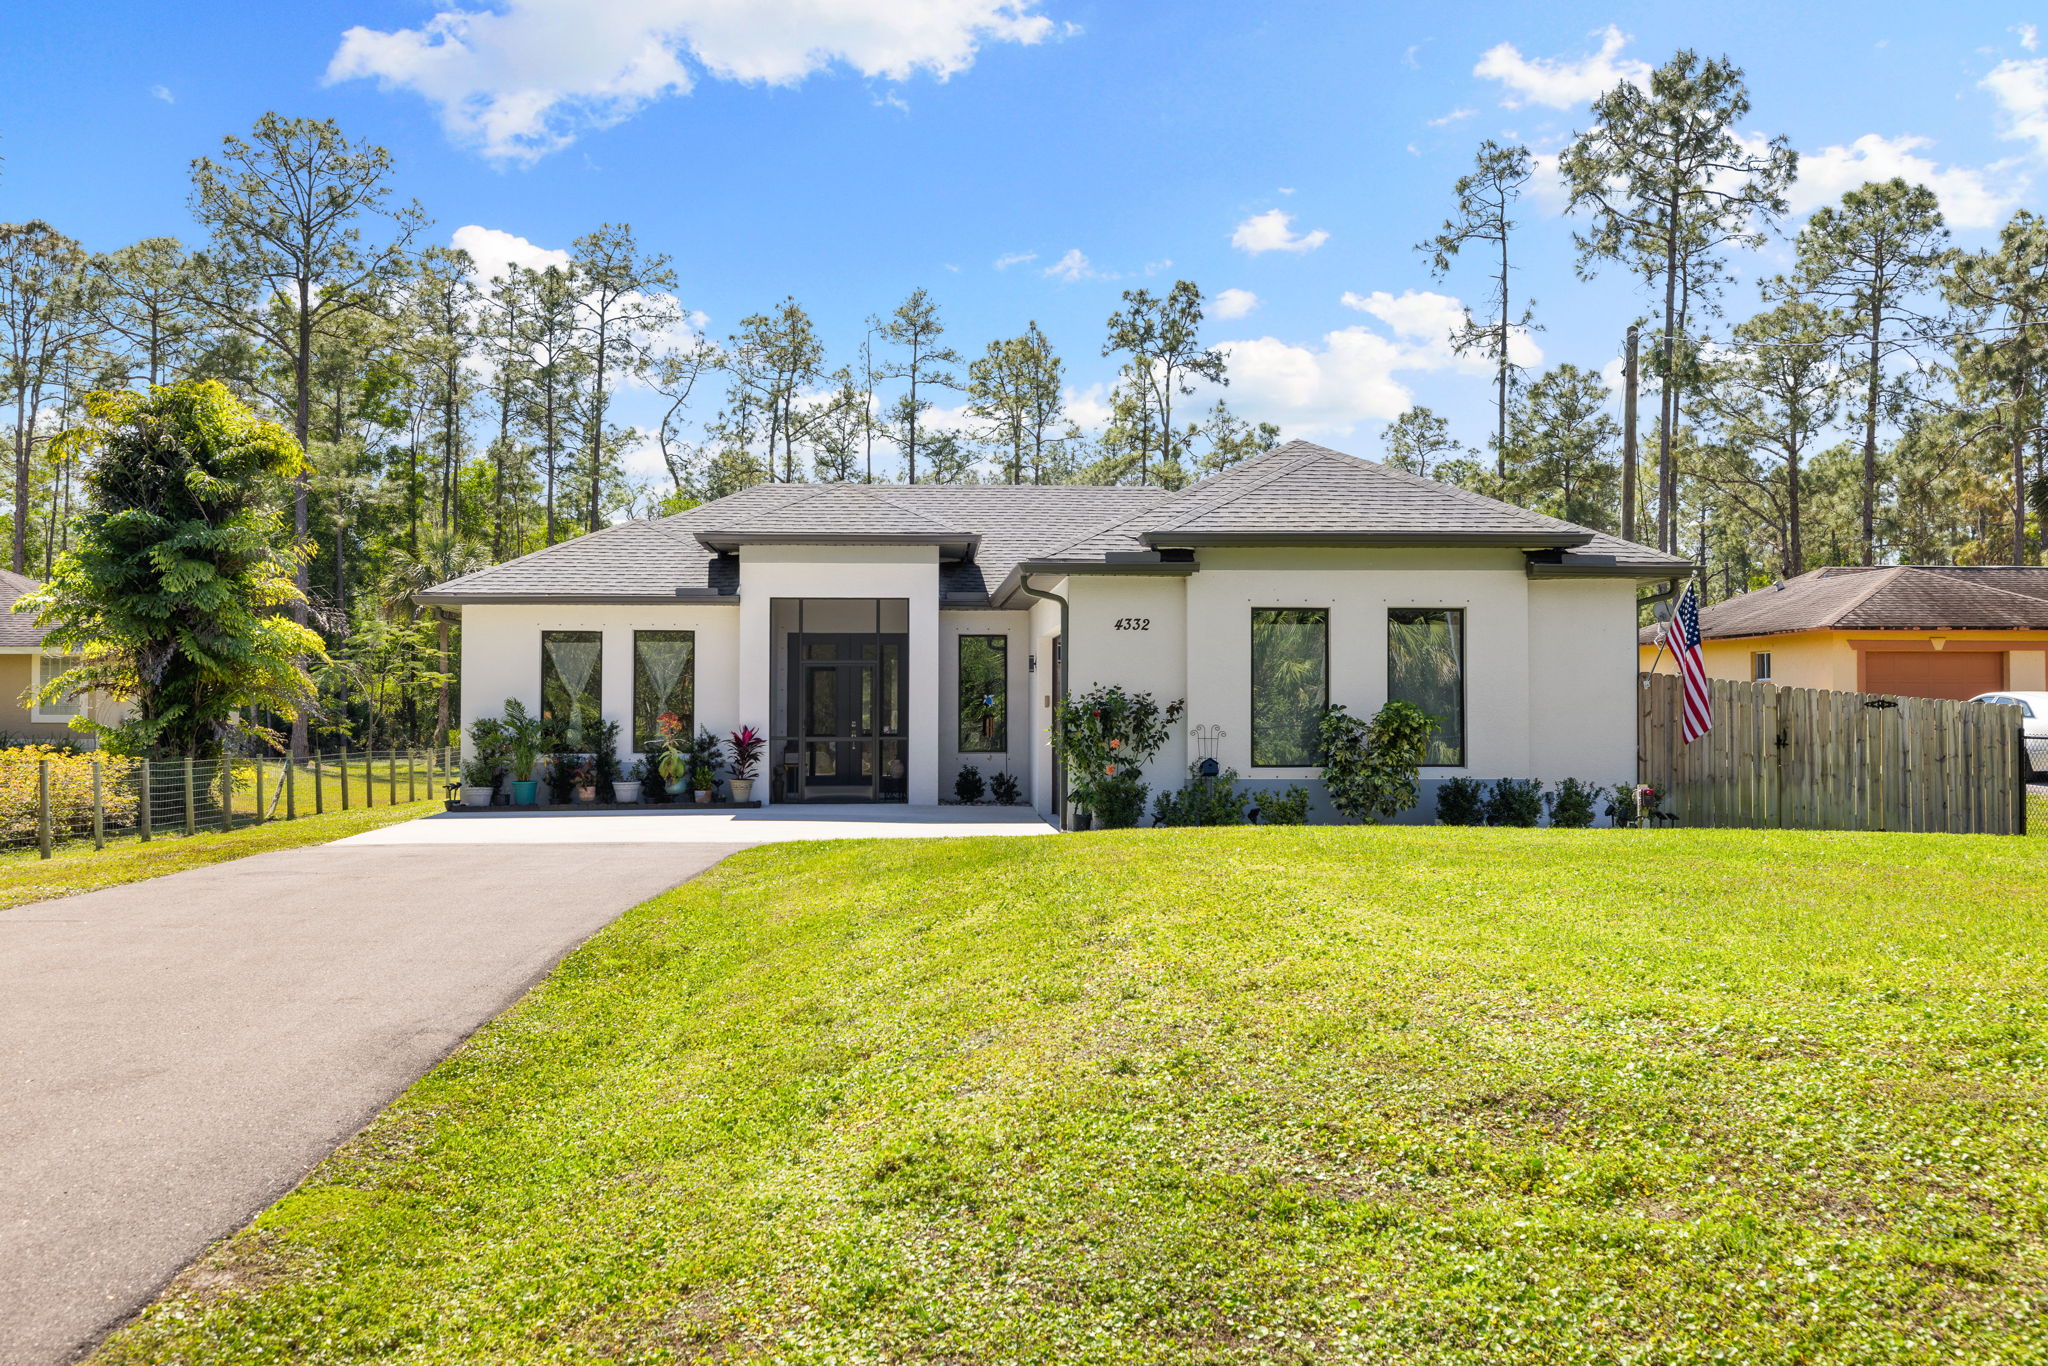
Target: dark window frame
{"x":1252,"y":692}
{"x":652,"y":737}
{"x":572,"y":730}
{"x":1464,"y":759}
{"x":1001,"y":744}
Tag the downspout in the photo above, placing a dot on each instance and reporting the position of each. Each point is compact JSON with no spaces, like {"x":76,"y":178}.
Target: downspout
{"x":1066,"y":671}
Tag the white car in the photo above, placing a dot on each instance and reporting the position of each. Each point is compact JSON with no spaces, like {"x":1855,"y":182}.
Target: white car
{"x":2033,"y":722}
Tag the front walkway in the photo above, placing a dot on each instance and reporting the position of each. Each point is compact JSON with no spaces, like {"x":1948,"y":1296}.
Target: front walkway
{"x":658,"y":825}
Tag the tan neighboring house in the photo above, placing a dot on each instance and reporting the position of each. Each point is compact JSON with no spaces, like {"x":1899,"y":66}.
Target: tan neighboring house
{"x":1909,"y":630}
{"x":24,"y":667}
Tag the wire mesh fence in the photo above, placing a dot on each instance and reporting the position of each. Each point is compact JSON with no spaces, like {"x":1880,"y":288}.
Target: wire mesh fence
{"x":53,"y":798}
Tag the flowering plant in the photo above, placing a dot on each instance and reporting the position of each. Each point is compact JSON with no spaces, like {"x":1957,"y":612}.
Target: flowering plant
{"x":745,"y":744}
{"x":674,"y":762}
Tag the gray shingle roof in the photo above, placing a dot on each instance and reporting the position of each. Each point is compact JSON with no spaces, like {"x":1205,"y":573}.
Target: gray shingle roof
{"x":17,"y":629}
{"x":1885,"y":598}
{"x":1298,"y":491}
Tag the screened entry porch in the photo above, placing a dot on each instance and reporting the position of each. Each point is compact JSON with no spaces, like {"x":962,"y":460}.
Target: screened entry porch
{"x":839,"y":731}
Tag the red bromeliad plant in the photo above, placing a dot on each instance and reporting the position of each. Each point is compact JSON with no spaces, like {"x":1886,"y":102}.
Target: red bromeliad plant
{"x":745,"y":746}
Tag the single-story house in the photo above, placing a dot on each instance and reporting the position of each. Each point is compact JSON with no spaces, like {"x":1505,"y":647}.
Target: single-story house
{"x":883,"y":636}
{"x":1909,"y":630}
{"x":24,"y":667}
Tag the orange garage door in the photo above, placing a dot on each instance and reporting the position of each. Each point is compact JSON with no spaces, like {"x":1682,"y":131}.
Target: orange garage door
{"x":1958,"y":674}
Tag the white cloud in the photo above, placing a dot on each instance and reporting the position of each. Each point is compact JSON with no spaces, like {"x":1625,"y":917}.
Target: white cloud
{"x":1015,"y":258}
{"x":1557,"y":82}
{"x":1969,"y":198}
{"x":1454,"y":116}
{"x":496,"y":251}
{"x":1233,"y":303}
{"x":2029,"y":36}
{"x":1271,"y":231}
{"x":1071,"y":267}
{"x":528,"y":76}
{"x":163,"y":92}
{"x":2021,"y":89}
{"x":1353,"y":374}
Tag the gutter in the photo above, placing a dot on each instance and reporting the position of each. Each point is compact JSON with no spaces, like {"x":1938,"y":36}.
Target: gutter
{"x":1059,"y":768}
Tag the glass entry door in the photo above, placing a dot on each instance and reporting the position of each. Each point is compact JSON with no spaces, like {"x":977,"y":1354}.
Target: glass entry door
{"x":840,"y":703}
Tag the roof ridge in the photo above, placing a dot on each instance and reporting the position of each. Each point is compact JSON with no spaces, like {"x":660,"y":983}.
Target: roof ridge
{"x":1196,"y":506}
{"x":811,"y":491}
{"x":868,"y":491}
{"x":1972,"y":584}
{"x":1888,"y":575}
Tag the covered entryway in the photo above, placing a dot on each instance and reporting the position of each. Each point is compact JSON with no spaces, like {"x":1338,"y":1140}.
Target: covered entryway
{"x":839,"y":699}
{"x":1957,"y":675}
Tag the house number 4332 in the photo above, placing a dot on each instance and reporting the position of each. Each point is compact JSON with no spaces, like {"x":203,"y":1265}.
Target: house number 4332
{"x":1134,"y":623}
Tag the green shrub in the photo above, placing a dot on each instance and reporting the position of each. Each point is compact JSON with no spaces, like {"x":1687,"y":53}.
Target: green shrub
{"x":968,"y":787}
{"x":1204,"y":801}
{"x":1461,"y":801}
{"x":1571,"y":806}
{"x":1285,"y":808}
{"x":1371,"y":768}
{"x":1102,"y":738}
{"x":1118,"y":800}
{"x":1515,"y":801}
{"x":1003,"y":790}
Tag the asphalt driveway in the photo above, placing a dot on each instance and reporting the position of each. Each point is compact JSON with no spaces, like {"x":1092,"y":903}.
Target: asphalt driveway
{"x":176,"y":1054}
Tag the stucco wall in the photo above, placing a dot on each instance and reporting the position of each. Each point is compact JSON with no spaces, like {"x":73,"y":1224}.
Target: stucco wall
{"x":501,"y":658}
{"x":17,"y":717}
{"x":1582,"y":680}
{"x":825,"y":571}
{"x":1154,"y":659}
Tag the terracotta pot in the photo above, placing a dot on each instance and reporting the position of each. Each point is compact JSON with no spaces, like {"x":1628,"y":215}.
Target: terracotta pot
{"x":704,"y":798}
{"x":587,"y":794}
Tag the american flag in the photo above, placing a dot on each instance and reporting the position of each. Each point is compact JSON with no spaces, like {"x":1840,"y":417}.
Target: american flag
{"x":1682,"y":635}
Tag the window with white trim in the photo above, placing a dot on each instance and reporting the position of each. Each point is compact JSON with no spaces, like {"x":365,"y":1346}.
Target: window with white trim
{"x":47,"y":668}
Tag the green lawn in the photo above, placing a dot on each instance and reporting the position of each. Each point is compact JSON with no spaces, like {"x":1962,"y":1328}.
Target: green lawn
{"x":26,"y":877}
{"x":1407,"y":1095}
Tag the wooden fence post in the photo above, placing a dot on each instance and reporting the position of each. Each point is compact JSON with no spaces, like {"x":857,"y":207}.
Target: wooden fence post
{"x":227,"y":793}
{"x":43,"y":806}
{"x":99,"y":809}
{"x":291,"y":786}
{"x":258,"y":761}
{"x":344,"y":779}
{"x":391,"y":777}
{"x":146,"y":802}
{"x":319,"y":786}
{"x":191,"y":815}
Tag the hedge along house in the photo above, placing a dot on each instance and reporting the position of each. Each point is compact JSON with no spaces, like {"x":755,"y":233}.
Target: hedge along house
{"x":883,"y":636}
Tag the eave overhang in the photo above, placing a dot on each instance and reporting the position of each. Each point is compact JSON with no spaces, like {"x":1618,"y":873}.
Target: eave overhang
{"x":951,"y":546}
{"x":1509,"y":540}
{"x":1125,"y":563}
{"x":707,"y":596}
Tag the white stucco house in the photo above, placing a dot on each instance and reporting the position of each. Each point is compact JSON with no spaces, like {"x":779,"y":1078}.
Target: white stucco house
{"x":882,"y":636}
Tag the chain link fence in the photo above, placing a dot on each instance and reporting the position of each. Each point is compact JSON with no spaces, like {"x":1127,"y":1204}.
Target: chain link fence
{"x":52,"y":797}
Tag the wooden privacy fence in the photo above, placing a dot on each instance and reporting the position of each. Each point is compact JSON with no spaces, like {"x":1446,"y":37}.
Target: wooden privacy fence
{"x":1811,"y":760}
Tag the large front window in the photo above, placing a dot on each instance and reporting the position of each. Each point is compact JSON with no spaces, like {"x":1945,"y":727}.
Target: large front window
{"x":1426,"y":667}
{"x":664,"y":682}
{"x":984,"y":694}
{"x":1290,"y":684}
{"x":571,"y":677}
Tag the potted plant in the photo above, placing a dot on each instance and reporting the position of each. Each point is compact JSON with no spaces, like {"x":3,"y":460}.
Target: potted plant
{"x":583,"y":779}
{"x":704,"y":765}
{"x":604,"y":738}
{"x":744,"y":745}
{"x":523,"y":736}
{"x":479,"y":782}
{"x":626,"y":790}
{"x":488,"y":749}
{"x":673,"y":763}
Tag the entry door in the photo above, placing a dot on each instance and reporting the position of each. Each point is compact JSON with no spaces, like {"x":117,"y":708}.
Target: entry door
{"x":838,"y":724}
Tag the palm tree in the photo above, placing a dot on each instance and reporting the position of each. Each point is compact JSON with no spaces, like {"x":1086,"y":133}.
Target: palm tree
{"x":442,"y":555}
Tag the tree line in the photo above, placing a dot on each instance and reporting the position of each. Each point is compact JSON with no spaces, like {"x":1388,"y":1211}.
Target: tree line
{"x":1884,"y":404}
{"x":451,"y":421}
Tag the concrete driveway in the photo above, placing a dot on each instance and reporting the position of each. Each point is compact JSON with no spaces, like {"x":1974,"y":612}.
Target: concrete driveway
{"x":176,"y":1054}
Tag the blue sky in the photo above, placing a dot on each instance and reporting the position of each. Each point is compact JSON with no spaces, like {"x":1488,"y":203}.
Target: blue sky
{"x":847,"y":152}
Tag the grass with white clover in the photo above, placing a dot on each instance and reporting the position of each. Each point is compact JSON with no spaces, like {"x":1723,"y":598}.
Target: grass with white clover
{"x":1240,"y":1095}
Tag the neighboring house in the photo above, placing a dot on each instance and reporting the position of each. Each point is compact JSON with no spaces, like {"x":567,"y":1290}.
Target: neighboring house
{"x":884,"y":635}
{"x":1909,"y":630}
{"x":24,"y":668}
